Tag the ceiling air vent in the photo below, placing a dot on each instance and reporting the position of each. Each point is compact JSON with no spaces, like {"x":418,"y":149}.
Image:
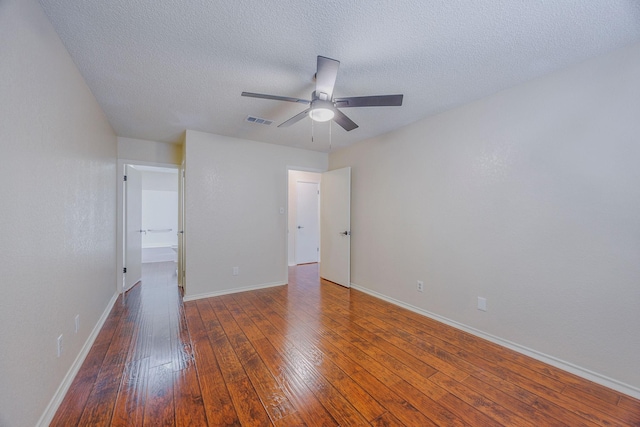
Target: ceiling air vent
{"x":258,"y":120}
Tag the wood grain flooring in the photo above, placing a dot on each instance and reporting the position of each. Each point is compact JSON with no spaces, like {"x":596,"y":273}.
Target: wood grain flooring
{"x":313,"y":353}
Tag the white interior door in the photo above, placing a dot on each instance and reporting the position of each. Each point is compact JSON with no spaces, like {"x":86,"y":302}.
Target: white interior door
{"x":308,"y":225}
{"x":335,"y":226}
{"x":133,"y":227}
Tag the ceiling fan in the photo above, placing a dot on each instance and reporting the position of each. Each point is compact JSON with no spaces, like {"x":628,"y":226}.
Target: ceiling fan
{"x":323,"y":106}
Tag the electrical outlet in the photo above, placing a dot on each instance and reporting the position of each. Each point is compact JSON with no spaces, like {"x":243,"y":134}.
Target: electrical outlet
{"x":236,"y":271}
{"x":482,"y":304}
{"x":77,"y":322}
{"x":60,"y":345}
{"x":420,"y":286}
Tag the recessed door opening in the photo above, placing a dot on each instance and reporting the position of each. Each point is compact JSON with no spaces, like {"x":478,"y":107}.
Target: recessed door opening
{"x":303,"y":221}
{"x":151,"y":221}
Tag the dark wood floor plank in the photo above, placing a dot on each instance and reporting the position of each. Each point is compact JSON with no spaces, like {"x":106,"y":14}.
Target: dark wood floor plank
{"x":339,"y":407}
{"x":159,"y":403}
{"x":298,"y":391}
{"x":313,"y":353}
{"x":630,"y":404}
{"x":217,"y":402}
{"x":345,"y":363}
{"x":466,"y":412}
{"x":101,"y":402}
{"x":538,"y":402}
{"x":243,"y":394}
{"x":479,"y":402}
{"x":189,"y":405}
{"x":336,"y":377}
{"x":269,"y":390}
{"x":603,"y":405}
{"x":73,"y":404}
{"x":396,"y":331}
{"x":488,"y":350}
{"x":528,"y":412}
{"x":404,"y":410}
{"x":130,"y":404}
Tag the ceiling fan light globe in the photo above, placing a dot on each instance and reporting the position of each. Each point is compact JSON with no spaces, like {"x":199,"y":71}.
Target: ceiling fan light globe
{"x":321,"y":114}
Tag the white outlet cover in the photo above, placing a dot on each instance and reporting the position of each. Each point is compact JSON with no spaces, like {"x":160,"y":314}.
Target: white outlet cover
{"x":482,"y":304}
{"x":59,"y":349}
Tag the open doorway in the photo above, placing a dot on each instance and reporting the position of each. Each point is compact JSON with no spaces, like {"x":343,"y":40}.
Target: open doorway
{"x":151,"y":220}
{"x":303,"y":220}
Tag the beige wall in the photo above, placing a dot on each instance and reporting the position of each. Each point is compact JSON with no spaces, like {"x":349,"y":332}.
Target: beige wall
{"x":529,"y":198}
{"x":152,"y":152}
{"x":234,"y":191}
{"x":57,"y":216}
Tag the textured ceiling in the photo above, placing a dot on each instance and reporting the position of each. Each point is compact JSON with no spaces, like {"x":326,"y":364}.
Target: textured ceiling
{"x":158,"y":67}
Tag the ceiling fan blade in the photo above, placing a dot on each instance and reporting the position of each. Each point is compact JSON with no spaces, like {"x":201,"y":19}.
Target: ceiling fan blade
{"x":295,"y":119}
{"x":275,"y":97}
{"x":369,"y":101}
{"x":326,"y":76}
{"x":344,"y":121}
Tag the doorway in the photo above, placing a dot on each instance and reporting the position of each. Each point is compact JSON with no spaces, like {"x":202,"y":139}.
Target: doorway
{"x":303,"y":242}
{"x":334,"y":222}
{"x":151,"y":227}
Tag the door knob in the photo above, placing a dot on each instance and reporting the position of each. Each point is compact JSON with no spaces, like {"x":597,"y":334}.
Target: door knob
{"x":345,"y":233}
{"x":299,"y":227}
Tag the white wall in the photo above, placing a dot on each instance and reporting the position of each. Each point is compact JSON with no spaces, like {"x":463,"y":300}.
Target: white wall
{"x":159,"y":208}
{"x":234,"y":191}
{"x":530,"y":198}
{"x":57,"y":216}
{"x":296,"y":176}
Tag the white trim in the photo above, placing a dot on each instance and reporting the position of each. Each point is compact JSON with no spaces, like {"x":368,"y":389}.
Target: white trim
{"x":304,"y":169}
{"x":60,"y":393}
{"x":231,"y":291}
{"x":551,"y":360}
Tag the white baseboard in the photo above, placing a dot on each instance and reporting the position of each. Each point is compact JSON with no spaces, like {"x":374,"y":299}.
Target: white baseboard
{"x":553,"y":361}
{"x":60,"y":393}
{"x":231,"y":291}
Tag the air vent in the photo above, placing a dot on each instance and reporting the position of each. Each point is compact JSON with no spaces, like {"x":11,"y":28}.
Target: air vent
{"x":259,"y":121}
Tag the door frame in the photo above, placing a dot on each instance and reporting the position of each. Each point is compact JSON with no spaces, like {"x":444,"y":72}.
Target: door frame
{"x":287,"y":231}
{"x":120,"y":212}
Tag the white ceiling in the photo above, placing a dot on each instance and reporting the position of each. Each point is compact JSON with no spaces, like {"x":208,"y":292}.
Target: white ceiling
{"x":158,"y":67}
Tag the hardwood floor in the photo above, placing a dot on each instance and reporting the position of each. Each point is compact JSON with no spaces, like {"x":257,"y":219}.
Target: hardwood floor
{"x":313,"y":353}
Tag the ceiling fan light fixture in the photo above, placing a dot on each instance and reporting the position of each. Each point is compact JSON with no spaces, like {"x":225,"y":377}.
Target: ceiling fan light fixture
{"x":321,"y":111}
{"x":321,"y":114}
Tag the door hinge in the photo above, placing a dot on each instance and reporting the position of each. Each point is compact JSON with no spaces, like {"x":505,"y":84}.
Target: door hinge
{"x":125,"y":177}
{"x":124,"y":270}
